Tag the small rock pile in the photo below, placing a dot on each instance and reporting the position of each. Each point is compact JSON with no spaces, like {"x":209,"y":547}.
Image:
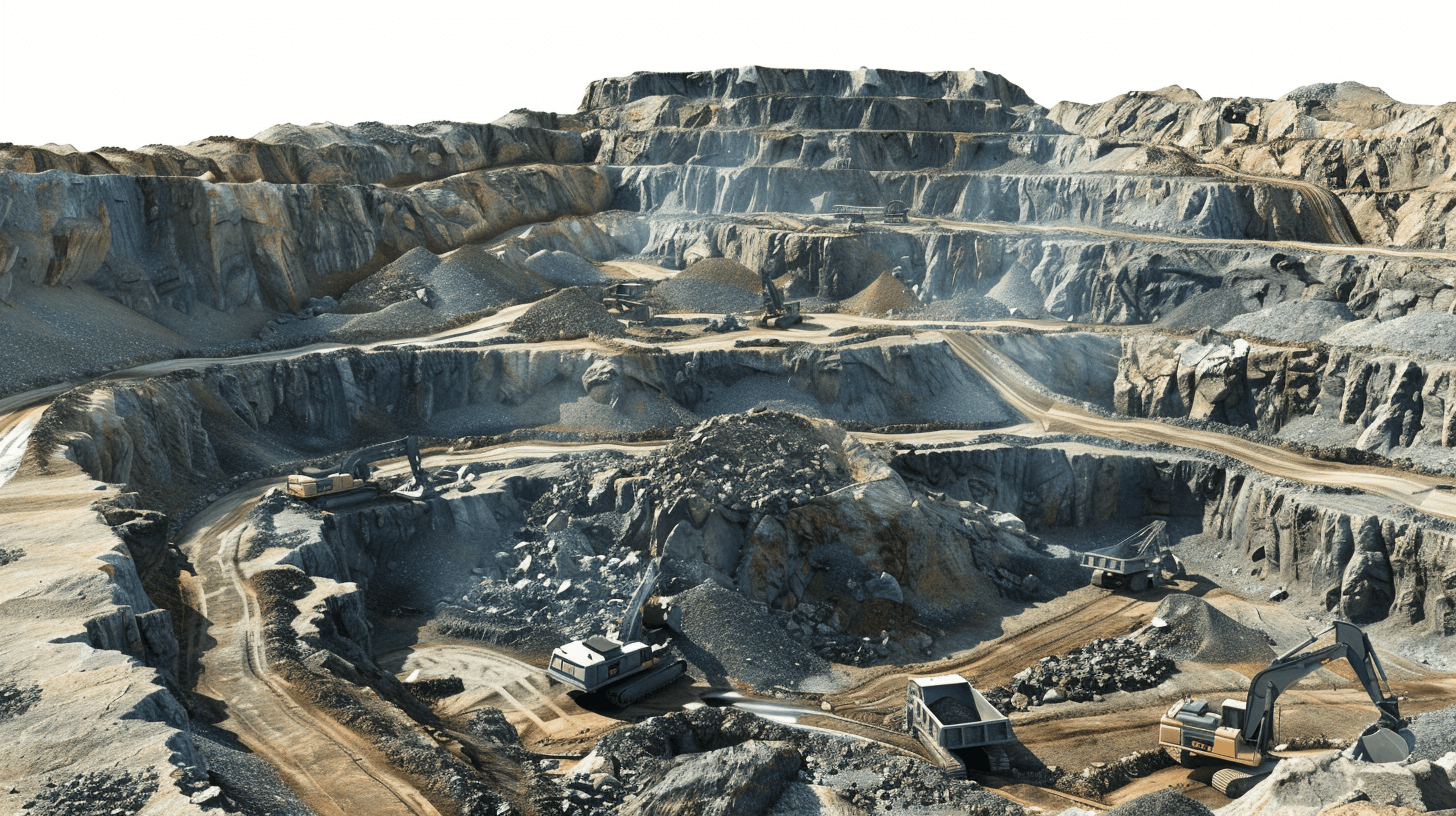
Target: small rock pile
{"x":10,"y":556}
{"x":16,"y":699}
{"x":491,"y":724}
{"x":96,"y":793}
{"x":726,"y":323}
{"x":722,"y":628}
{"x":886,"y":294}
{"x":768,"y":461}
{"x":715,"y":285}
{"x":1102,"y":778}
{"x":567,"y":315}
{"x":1166,"y":802}
{"x":1085,"y":673}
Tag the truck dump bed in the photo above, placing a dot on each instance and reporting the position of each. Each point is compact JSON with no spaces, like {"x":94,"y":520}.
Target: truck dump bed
{"x":948,"y":715}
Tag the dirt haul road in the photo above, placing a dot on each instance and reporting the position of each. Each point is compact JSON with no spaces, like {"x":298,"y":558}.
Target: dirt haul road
{"x":333,"y":770}
{"x":1015,"y":387}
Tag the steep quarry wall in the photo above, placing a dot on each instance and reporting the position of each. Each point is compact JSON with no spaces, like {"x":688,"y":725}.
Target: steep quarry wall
{"x":175,"y":436}
{"x":160,"y":243}
{"x":1363,"y":560}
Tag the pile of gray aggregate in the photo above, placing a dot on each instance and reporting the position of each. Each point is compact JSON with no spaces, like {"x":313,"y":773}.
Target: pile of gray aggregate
{"x":1167,"y":802}
{"x":965,"y":306}
{"x":1197,"y":630}
{"x":1085,"y":673}
{"x":715,"y":285}
{"x":1435,"y":733}
{"x":1426,"y":332}
{"x":1216,"y":307}
{"x":565,"y":268}
{"x":1293,"y":320}
{"x":567,"y":315}
{"x":724,"y":638}
{"x":95,"y":793}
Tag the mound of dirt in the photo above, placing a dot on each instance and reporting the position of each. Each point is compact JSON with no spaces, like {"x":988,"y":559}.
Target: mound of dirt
{"x":1166,"y":802}
{"x":1215,"y":307}
{"x":722,"y":270}
{"x":723,"y":638}
{"x":966,"y":306}
{"x":1196,"y":630}
{"x":565,"y":268}
{"x":886,"y":294}
{"x":715,"y":285}
{"x":468,"y":279}
{"x":567,"y":315}
{"x":1293,"y":320}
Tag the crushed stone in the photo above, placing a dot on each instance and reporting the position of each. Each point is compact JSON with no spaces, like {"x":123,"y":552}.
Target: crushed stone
{"x":94,"y":793}
{"x":1197,"y":630}
{"x":1165,"y":802}
{"x":722,"y":638}
{"x":1425,"y":332}
{"x":567,"y":315}
{"x":1293,"y":320}
{"x":885,"y":294}
{"x":565,"y":269}
{"x":16,"y":699}
{"x":1101,"y":667}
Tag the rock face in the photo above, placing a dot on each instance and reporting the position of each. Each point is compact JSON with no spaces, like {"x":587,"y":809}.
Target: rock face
{"x":747,"y":778}
{"x":1304,"y":786}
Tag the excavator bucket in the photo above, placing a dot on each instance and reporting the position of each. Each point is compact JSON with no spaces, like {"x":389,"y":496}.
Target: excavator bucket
{"x":1380,"y":744}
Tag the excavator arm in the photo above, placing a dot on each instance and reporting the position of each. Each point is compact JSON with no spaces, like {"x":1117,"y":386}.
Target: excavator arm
{"x":357,"y":463}
{"x":1351,"y":644}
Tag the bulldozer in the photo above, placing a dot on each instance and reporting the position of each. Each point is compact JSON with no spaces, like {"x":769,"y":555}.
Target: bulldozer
{"x":777,"y":314}
{"x":625,"y":668}
{"x":332,"y":488}
{"x":1236,"y":738}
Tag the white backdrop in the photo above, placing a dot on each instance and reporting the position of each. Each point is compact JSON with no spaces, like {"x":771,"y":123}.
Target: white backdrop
{"x":121,"y":73}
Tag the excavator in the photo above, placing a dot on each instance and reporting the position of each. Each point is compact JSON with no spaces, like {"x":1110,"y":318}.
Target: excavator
{"x":1238,"y":736}
{"x":331,"y":488}
{"x":777,"y":314}
{"x":623,"y":669}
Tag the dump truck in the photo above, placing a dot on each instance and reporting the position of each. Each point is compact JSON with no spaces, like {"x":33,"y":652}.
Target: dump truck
{"x":350,"y":481}
{"x":1139,"y":561}
{"x":1236,"y":739}
{"x":623,"y":669}
{"x":957,"y":725}
{"x":894,"y":212}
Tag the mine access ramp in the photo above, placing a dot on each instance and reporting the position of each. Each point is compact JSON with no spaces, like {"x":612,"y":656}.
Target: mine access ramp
{"x":1139,"y":561}
{"x":957,"y":725}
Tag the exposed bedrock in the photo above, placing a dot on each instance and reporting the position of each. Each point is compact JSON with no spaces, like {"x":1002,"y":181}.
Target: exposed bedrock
{"x":731,"y":83}
{"x":843,"y":149}
{"x":794,"y":112}
{"x":1367,"y":563}
{"x":159,"y":244}
{"x":174,"y":436}
{"x":1175,"y":205}
{"x":1388,"y":401}
{"x":1390,"y":163}
{"x":366,"y":153}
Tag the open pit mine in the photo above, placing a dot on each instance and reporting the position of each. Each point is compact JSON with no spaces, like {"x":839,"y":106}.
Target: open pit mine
{"x":752,"y":442}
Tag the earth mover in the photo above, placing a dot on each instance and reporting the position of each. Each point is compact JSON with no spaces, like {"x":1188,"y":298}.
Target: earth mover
{"x":625,"y":668}
{"x":777,"y":314}
{"x":957,"y":725}
{"x":1236,"y":739}
{"x":331,"y":488}
{"x":1139,"y":561}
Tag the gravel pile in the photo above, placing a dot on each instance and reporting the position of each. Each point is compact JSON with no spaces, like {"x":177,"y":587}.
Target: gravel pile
{"x":491,"y":724}
{"x":468,"y":279}
{"x":16,"y":699}
{"x":567,"y":315}
{"x":1166,"y":802}
{"x":1427,"y":333}
{"x":767,"y":461}
{"x":10,"y":556}
{"x":97,"y":793}
{"x":249,"y":784}
{"x":715,"y":285}
{"x":565,"y":269}
{"x":1293,"y":320}
{"x":966,"y":306}
{"x":1086,"y":673}
{"x":1435,"y":733}
{"x":723,"y":638}
{"x":1216,"y":307}
{"x":865,"y":775}
{"x":886,"y":294}
{"x":1196,"y":630}
{"x":1104,"y":777}
{"x":1016,"y":290}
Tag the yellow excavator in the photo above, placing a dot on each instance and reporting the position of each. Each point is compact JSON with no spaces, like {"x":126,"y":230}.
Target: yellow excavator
{"x":1237,"y":737}
{"x":330,"y":488}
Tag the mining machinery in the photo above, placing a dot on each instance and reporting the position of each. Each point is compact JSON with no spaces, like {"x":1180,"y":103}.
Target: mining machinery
{"x":330,"y":488}
{"x":1237,"y":737}
{"x":623,"y":669}
{"x":1139,"y":561}
{"x":777,"y":314}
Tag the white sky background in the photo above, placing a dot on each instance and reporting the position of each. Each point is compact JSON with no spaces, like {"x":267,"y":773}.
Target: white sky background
{"x":121,"y":73}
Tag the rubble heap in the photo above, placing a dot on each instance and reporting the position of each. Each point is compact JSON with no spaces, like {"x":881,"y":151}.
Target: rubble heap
{"x":16,"y":699}
{"x":96,"y":793}
{"x":1085,"y":673}
{"x":567,"y":315}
